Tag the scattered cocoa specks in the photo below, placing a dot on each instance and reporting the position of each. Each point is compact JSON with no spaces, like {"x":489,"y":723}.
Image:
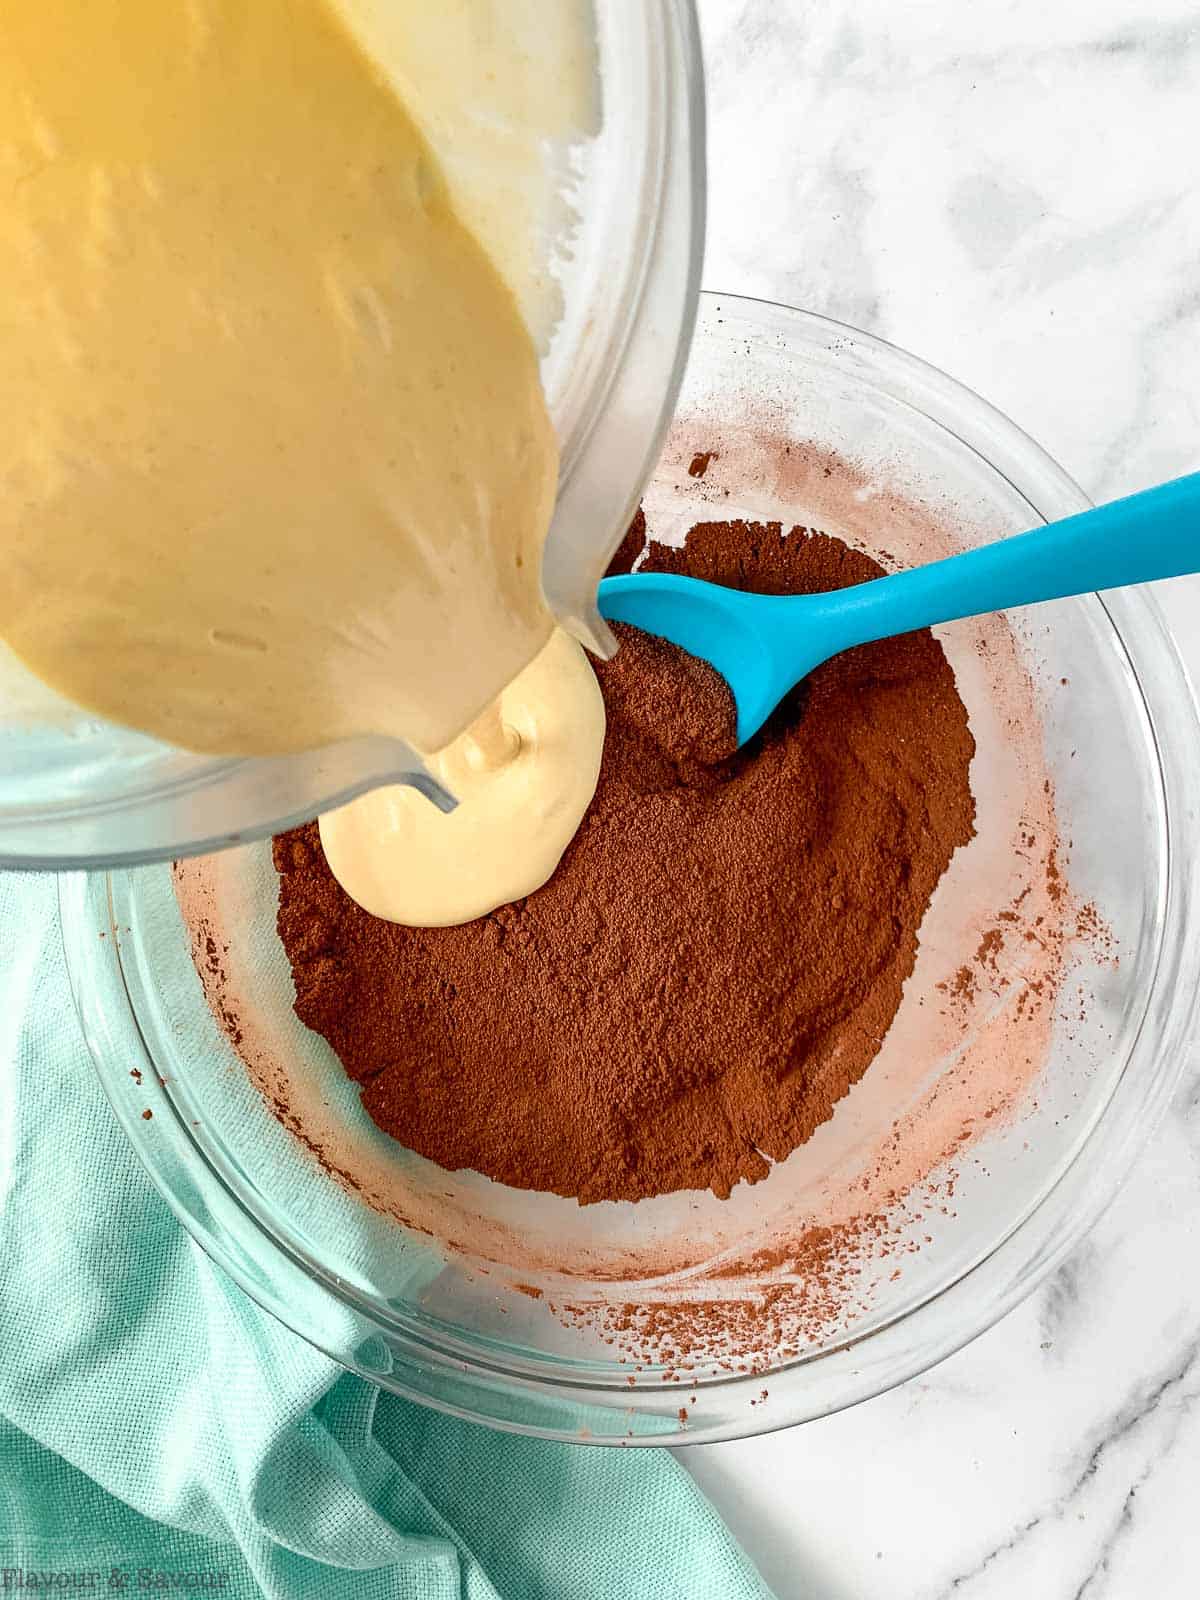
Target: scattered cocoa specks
{"x":206,"y":956}
{"x":801,"y":1289}
{"x":962,"y":986}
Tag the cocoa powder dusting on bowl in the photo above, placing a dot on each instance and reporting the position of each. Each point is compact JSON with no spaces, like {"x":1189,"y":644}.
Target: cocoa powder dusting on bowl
{"x":720,"y":953}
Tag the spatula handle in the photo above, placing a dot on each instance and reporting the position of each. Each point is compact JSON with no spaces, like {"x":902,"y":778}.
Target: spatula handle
{"x":1154,"y":534}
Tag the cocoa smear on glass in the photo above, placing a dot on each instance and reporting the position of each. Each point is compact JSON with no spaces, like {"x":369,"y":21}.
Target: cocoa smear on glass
{"x":721,"y":951}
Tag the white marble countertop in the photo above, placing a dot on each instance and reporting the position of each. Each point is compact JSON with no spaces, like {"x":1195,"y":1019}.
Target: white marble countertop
{"x":1009,"y":189}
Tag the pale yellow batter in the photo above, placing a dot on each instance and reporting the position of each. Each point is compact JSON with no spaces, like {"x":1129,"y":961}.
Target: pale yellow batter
{"x":524,"y":778}
{"x":275,"y":467}
{"x":502,"y":90}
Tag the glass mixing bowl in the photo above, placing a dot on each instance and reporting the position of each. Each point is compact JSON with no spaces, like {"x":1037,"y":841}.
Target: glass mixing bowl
{"x":77,"y":791}
{"x":462,"y":1305}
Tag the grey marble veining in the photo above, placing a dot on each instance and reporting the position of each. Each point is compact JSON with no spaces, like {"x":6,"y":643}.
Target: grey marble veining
{"x":1010,"y":189}
{"x":1056,"y":1456}
{"x":1005,"y":187}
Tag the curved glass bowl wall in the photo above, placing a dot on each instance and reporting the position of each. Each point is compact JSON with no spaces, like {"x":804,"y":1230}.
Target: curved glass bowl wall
{"x":1123,"y":747}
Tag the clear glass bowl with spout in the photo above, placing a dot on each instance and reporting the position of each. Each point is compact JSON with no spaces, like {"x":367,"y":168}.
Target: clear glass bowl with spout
{"x":77,"y":791}
{"x":460,"y":1304}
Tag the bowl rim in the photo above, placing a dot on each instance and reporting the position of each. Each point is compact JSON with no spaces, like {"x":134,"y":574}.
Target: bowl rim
{"x":520,"y":1397}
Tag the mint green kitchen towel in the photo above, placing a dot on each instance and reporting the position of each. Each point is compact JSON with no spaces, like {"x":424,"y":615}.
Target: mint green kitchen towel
{"x":159,"y":1433}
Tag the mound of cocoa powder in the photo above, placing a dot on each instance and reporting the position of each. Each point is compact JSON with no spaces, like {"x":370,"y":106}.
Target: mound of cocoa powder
{"x":720,"y":953}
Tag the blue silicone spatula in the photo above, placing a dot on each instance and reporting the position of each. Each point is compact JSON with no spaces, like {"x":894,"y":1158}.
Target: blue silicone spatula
{"x":762,"y":645}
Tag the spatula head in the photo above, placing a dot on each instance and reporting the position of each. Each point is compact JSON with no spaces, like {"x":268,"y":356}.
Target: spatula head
{"x":734,"y":632}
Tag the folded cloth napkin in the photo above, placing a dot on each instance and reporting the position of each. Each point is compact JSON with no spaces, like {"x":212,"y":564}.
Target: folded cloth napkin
{"x":160,"y":1433}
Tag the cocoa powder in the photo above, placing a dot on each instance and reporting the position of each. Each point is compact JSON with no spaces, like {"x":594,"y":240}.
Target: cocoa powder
{"x":720,"y":953}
